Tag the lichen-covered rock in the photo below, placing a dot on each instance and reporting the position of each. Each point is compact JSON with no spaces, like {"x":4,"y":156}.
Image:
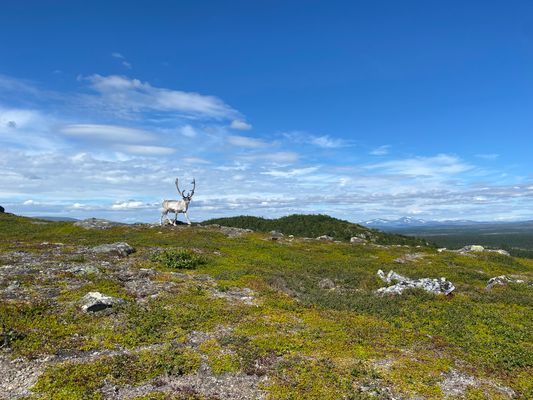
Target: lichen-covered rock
{"x":357,"y":239}
{"x":275,"y":235}
{"x":472,"y":248}
{"x":96,"y":301}
{"x":325,"y":238}
{"x":120,"y":249}
{"x":437,"y":286}
{"x":326,"y":284}
{"x":96,"y":223}
{"x":501,"y":280}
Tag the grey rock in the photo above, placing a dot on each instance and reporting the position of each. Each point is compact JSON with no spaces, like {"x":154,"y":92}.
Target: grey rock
{"x":275,"y":235}
{"x":326,"y":284}
{"x":409,"y":257}
{"x":325,"y":238}
{"x":84,"y":269}
{"x":96,"y":223}
{"x":96,"y":301}
{"x":501,"y":280}
{"x":357,"y":239}
{"x":120,"y":249}
{"x":13,"y":286}
{"x":437,"y":286}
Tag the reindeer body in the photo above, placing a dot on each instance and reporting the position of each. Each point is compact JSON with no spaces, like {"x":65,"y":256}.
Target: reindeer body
{"x":178,"y":206}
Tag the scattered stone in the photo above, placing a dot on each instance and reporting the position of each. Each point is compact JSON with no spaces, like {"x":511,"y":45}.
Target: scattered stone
{"x":409,"y":257}
{"x":13,"y":286}
{"x":440,"y":250}
{"x":326,"y":284}
{"x":275,"y":235}
{"x":120,"y":249}
{"x":96,"y":223}
{"x":472,"y":248}
{"x":231,"y":232}
{"x":96,"y":301}
{"x":325,"y":238}
{"x":501,"y":280}
{"x":84,"y":270}
{"x":236,"y":294}
{"x":456,"y":383}
{"x":357,"y":240}
{"x":437,"y":286}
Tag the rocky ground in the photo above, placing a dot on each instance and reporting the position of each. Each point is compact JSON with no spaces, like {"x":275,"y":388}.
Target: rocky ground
{"x":98,"y":311}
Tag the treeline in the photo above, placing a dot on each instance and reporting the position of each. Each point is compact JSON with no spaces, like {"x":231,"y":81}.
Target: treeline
{"x":316,"y":225}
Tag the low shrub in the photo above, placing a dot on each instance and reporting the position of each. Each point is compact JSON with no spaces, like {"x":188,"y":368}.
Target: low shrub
{"x":178,"y":259}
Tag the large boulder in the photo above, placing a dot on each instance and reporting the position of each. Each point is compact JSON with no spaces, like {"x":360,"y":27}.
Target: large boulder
{"x":275,"y":235}
{"x":325,"y":238}
{"x":437,"y":286}
{"x":96,"y":223}
{"x":96,"y":301}
{"x":120,"y":249}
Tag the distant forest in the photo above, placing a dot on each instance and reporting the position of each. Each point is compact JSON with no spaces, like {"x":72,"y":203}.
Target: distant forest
{"x":316,"y":225}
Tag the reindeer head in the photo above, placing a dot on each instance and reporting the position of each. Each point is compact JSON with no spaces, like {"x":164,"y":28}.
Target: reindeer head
{"x":187,"y":197}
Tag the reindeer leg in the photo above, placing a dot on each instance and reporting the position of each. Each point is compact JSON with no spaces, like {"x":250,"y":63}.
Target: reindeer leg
{"x":175,"y":218}
{"x":187,"y":216}
{"x":163,"y":213}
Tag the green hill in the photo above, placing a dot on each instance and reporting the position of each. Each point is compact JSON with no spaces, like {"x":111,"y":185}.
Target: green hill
{"x":204,"y":313}
{"x":315,"y":225}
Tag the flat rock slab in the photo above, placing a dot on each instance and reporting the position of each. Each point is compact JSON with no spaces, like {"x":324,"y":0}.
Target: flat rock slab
{"x":437,"y":286}
{"x":96,"y":223}
{"x":96,"y":301}
{"x":120,"y":249}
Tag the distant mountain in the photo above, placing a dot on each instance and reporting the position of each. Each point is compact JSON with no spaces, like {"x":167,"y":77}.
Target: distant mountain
{"x":410,"y":222}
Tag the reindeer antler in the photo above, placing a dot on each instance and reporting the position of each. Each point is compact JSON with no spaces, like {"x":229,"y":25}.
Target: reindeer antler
{"x":179,"y":191}
{"x":193,"y":187}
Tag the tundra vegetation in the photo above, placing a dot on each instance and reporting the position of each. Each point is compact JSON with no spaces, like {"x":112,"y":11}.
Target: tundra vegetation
{"x":207,"y":316}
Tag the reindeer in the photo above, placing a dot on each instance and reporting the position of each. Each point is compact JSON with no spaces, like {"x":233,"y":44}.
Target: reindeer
{"x":178,"y":206}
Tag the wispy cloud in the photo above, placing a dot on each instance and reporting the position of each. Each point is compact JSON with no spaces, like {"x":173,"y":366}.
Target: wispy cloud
{"x":240,"y":125}
{"x":122,"y":59}
{"x":490,"y":156}
{"x":243,"y":141}
{"x":108,"y":133}
{"x":424,"y":166}
{"x":132,"y":95}
{"x":322,"y":141}
{"x":381,"y":150}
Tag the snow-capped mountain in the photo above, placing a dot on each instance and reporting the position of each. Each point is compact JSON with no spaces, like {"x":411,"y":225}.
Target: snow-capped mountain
{"x":406,"y":222}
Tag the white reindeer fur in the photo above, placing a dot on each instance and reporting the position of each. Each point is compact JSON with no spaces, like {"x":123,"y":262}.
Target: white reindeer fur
{"x":177,"y":206}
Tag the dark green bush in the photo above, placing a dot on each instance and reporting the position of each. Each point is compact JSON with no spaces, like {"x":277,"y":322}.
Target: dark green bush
{"x":178,"y":259}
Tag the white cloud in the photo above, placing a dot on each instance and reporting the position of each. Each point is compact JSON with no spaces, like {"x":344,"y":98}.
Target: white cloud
{"x":195,"y":160}
{"x":327,"y":142}
{"x":132,"y":95}
{"x":108,"y":133}
{"x":323,"y":141}
{"x":441,"y":164}
{"x":243,"y":141}
{"x":240,"y":125}
{"x":146,"y":150}
{"x":188,"y":131}
{"x":31,"y":203}
{"x":282,"y":157}
{"x":380,"y":151}
{"x":129,"y":205}
{"x":290,"y":173}
{"x":122,"y":59}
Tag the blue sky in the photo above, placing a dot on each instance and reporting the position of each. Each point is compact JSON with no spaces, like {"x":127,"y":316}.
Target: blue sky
{"x":355,"y":109}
